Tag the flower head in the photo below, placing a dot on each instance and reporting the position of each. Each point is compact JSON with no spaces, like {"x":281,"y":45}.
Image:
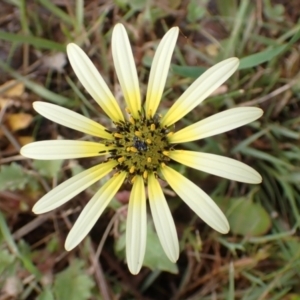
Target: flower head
{"x":140,"y":147}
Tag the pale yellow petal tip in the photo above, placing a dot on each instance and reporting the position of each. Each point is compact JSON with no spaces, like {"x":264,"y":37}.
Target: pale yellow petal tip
{"x":71,"y":46}
{"x":72,"y":49}
{"x":119,"y":25}
{"x":234,"y":60}
{"x":72,"y":242}
{"x":175,"y":29}
{"x":134,"y":270}
{"x":119,"y":29}
{"x":255,"y":178}
{"x":37,"y":209}
{"x":223,"y":227}
{"x":225,"y":230}
{"x":260,"y":112}
{"x":36,"y":104}
{"x":24,"y":151}
{"x":174,"y":259}
{"x":40,"y":106}
{"x":68,"y":246}
{"x":258,"y":179}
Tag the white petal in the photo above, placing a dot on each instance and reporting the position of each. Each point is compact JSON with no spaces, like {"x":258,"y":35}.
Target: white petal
{"x":93,"y":210}
{"x":163,"y":220}
{"x":93,"y":82}
{"x":70,"y":119}
{"x":63,"y":149}
{"x":159,"y":71}
{"x":136,"y":227}
{"x":200,"y":90}
{"x":218,"y":123}
{"x":217,"y":165}
{"x":72,"y":187}
{"x":196,"y":199}
{"x":125,"y":69}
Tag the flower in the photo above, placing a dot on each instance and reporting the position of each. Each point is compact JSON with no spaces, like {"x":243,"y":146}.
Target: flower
{"x":140,"y":147}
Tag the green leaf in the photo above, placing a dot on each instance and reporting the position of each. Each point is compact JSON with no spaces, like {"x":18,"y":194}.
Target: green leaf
{"x":25,"y":256}
{"x":6,"y":262}
{"x":247,"y":218}
{"x":48,"y":168}
{"x":196,"y":11}
{"x":155,"y":257}
{"x":13,"y":177}
{"x":73,"y":283}
{"x":37,"y":42}
{"x":259,"y":58}
{"x":46,"y":294}
{"x":188,"y":71}
{"x":245,"y":62}
{"x":266,"y":55}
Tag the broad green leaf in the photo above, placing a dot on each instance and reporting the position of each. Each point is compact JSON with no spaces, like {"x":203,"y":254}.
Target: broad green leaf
{"x":73,"y":283}
{"x":196,"y":11}
{"x":6,"y":262}
{"x":48,"y":168}
{"x":13,"y":177}
{"x":248,"y":218}
{"x":46,"y":294}
{"x":155,"y":257}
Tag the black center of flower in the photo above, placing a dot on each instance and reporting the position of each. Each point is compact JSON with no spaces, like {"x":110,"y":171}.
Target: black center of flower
{"x":140,"y":146}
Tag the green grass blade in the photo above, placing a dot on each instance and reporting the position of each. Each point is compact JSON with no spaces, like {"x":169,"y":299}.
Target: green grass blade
{"x":37,"y":42}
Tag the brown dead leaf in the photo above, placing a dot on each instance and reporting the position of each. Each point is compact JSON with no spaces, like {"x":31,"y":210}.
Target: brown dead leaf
{"x":4,"y":103}
{"x":8,"y":91}
{"x":12,"y":88}
{"x":212,"y":50}
{"x":18,"y":121}
{"x":24,"y":140}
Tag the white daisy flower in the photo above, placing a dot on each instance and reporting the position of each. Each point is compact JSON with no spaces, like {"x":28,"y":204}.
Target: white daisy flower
{"x":141,"y":146}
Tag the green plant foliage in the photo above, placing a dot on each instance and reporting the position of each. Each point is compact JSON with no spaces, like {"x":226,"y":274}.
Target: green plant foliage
{"x":35,"y":41}
{"x":196,"y":10}
{"x":247,"y":218}
{"x":155,"y":257}
{"x":73,"y":283}
{"x":48,"y":168}
{"x":6,"y":262}
{"x":188,"y":71}
{"x":46,"y":294}
{"x":13,"y":177}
